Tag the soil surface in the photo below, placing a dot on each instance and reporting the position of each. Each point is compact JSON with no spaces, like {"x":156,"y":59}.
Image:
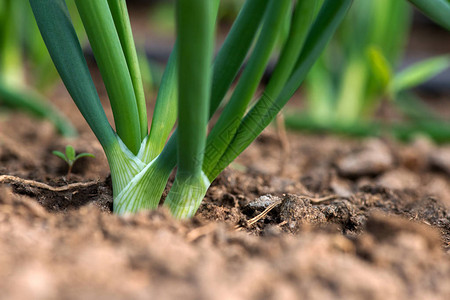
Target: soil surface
{"x":321,"y":217}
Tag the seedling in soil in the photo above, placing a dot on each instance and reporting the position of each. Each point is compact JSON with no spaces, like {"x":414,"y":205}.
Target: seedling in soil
{"x":70,"y":158}
{"x":192,"y":88}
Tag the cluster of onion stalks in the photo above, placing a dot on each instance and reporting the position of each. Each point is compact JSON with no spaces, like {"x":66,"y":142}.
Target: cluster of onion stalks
{"x":192,"y":88}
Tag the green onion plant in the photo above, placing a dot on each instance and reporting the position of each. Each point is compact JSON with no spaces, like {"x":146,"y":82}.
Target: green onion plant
{"x":193,"y":87}
{"x":356,"y":72}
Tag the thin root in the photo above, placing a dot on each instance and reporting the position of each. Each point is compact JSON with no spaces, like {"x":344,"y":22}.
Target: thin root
{"x":322,"y":199}
{"x":40,"y":185}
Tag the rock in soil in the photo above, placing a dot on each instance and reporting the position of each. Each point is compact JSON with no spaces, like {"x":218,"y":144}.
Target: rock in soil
{"x":374,"y":159}
{"x":440,"y":158}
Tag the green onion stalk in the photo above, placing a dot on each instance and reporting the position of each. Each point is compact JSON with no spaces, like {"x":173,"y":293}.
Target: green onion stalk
{"x":193,"y":87}
{"x":437,"y":10}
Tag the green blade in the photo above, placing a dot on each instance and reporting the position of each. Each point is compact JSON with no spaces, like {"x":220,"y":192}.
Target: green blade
{"x":301,"y":22}
{"x":70,"y":153}
{"x":419,"y":73}
{"x":81,"y":155}
{"x":60,"y":155}
{"x":165,"y":113}
{"x":437,"y":10}
{"x":122,"y":21}
{"x":226,"y":67}
{"x":225,"y":128}
{"x":260,"y":116}
{"x":59,"y":35}
{"x":105,"y":43}
{"x":195,"y":37}
{"x":232,"y":54}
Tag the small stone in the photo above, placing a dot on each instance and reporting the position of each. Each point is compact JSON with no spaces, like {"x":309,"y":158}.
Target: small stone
{"x":399,"y":179}
{"x":440,"y":158}
{"x":264,"y":201}
{"x":375,"y":158}
{"x":341,"y":188}
{"x":416,"y":155}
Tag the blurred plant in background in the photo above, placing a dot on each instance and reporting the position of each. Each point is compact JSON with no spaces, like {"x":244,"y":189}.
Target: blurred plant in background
{"x":25,"y":62}
{"x":346,"y":87}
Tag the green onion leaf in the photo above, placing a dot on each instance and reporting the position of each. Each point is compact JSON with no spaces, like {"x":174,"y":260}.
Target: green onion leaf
{"x":165,"y":113}
{"x":419,"y":73}
{"x":232,"y":54}
{"x":122,"y":21}
{"x":226,"y":67}
{"x":437,"y":10}
{"x":298,"y":31}
{"x":195,"y":38}
{"x":225,"y":128}
{"x":105,"y":43}
{"x":260,"y":116}
{"x":59,"y":35}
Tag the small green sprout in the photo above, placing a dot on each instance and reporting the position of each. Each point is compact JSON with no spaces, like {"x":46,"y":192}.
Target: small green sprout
{"x":70,"y":158}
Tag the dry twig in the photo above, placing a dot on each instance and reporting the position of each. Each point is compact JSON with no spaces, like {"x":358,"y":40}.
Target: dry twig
{"x":322,"y":199}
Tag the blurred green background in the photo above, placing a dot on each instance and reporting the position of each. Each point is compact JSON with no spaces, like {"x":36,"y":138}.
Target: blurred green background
{"x":384,"y":73}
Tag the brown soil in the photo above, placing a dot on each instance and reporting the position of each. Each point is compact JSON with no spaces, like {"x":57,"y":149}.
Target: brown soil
{"x":332,"y":218}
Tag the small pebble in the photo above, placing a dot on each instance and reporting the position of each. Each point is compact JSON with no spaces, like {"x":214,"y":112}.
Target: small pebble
{"x":440,"y":158}
{"x":264,"y":201}
{"x":375,"y":158}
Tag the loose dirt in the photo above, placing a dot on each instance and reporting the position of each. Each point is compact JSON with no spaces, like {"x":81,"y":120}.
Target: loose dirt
{"x":339,"y":219}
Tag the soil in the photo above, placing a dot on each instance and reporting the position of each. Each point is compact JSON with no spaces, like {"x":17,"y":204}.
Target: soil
{"x":323,"y":218}
{"x":316,"y":217}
